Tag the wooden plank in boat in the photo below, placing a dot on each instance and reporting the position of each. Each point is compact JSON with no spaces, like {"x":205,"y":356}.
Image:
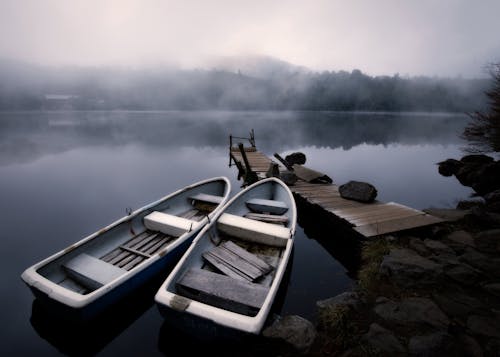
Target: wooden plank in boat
{"x":270,"y":218}
{"x":135,"y":251}
{"x":133,"y":263}
{"x":207,"y":198}
{"x":236,"y":263}
{"x":262,"y":206}
{"x":246,"y":255}
{"x":225,"y":268}
{"x":222,"y":290}
{"x":375,"y":229}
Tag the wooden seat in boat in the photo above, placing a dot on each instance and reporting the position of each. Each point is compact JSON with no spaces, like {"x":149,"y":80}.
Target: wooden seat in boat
{"x":266,"y":206}
{"x":204,"y":197}
{"x":253,"y":231}
{"x":92,"y":272}
{"x":220,"y":290}
{"x":169,"y":224}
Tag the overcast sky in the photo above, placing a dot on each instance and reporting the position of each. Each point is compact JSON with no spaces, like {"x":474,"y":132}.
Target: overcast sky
{"x":430,"y":37}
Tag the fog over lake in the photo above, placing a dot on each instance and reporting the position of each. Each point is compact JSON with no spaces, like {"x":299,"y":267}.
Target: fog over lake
{"x":64,"y":175}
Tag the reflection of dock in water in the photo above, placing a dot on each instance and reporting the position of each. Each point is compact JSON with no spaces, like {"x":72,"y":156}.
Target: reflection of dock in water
{"x":367,"y":219}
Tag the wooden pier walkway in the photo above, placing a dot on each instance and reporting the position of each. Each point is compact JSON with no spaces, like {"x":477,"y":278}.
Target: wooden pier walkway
{"x":368,"y":219}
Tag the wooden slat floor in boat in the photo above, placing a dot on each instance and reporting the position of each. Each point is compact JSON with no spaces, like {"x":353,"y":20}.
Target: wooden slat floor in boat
{"x":144,"y":245}
{"x":368,"y":219}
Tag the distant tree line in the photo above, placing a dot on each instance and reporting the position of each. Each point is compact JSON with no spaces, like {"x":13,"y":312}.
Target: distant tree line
{"x":27,"y":87}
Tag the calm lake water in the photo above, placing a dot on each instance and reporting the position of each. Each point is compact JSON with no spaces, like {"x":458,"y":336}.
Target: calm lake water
{"x":64,"y":175}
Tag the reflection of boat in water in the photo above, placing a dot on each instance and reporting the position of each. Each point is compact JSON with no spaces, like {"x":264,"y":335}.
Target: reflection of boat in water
{"x":229,"y":277}
{"x":89,"y":337}
{"x":85,"y":278}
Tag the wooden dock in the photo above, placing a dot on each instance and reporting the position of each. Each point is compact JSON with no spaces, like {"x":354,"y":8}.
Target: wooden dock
{"x":368,"y":219}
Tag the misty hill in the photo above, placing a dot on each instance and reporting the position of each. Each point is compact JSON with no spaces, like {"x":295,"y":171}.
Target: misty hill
{"x":263,"y":84}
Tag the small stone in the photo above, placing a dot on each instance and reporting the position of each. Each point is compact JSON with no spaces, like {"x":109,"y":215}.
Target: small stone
{"x":294,"y":330}
{"x":436,"y":344}
{"x":438,"y":247}
{"x":358,"y":191}
{"x":350,"y":299}
{"x":418,"y":246}
{"x":459,"y":240}
{"x":406,"y":268}
{"x":418,"y":311}
{"x":484,"y":326}
{"x":488,"y":241}
{"x":381,"y":300}
{"x":382,"y":340}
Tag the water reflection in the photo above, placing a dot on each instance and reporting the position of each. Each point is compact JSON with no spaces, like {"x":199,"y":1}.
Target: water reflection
{"x":88,"y":338}
{"x":25,"y":137}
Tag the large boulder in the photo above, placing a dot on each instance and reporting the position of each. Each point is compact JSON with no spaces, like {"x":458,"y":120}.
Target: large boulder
{"x":383,"y":341}
{"x":293,"y":330}
{"x":488,"y":241}
{"x":296,"y":158}
{"x":358,"y":191}
{"x":406,"y":268}
{"x":415,"y":311}
{"x":487,"y":178}
{"x":484,"y":326}
{"x":449,"y":167}
{"x":477,"y":159}
{"x":436,"y":344}
{"x":349,"y":298}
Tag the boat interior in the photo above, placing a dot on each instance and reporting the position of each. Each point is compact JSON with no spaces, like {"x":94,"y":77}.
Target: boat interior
{"x":234,"y":264}
{"x":120,"y":248}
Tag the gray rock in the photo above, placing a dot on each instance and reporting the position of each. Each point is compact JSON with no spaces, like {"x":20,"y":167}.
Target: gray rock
{"x":463,"y":274}
{"x":294,"y":330}
{"x":406,"y":268}
{"x":492,"y":288}
{"x":438,"y":247}
{"x":382,"y":340}
{"x":358,"y":191}
{"x":436,"y":344}
{"x":459,"y":240}
{"x":421,"y":312}
{"x":457,"y":304}
{"x":487,"y":178}
{"x":492,"y":197}
{"x":470,"y":346}
{"x":418,"y":246}
{"x":480,"y":261}
{"x":350,"y":299}
{"x":449,"y":167}
{"x":488,"y":241}
{"x":484,"y":326}
{"x":296,"y":158}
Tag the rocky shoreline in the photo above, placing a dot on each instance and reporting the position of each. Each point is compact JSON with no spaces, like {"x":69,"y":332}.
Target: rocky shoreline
{"x":428,"y":292}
